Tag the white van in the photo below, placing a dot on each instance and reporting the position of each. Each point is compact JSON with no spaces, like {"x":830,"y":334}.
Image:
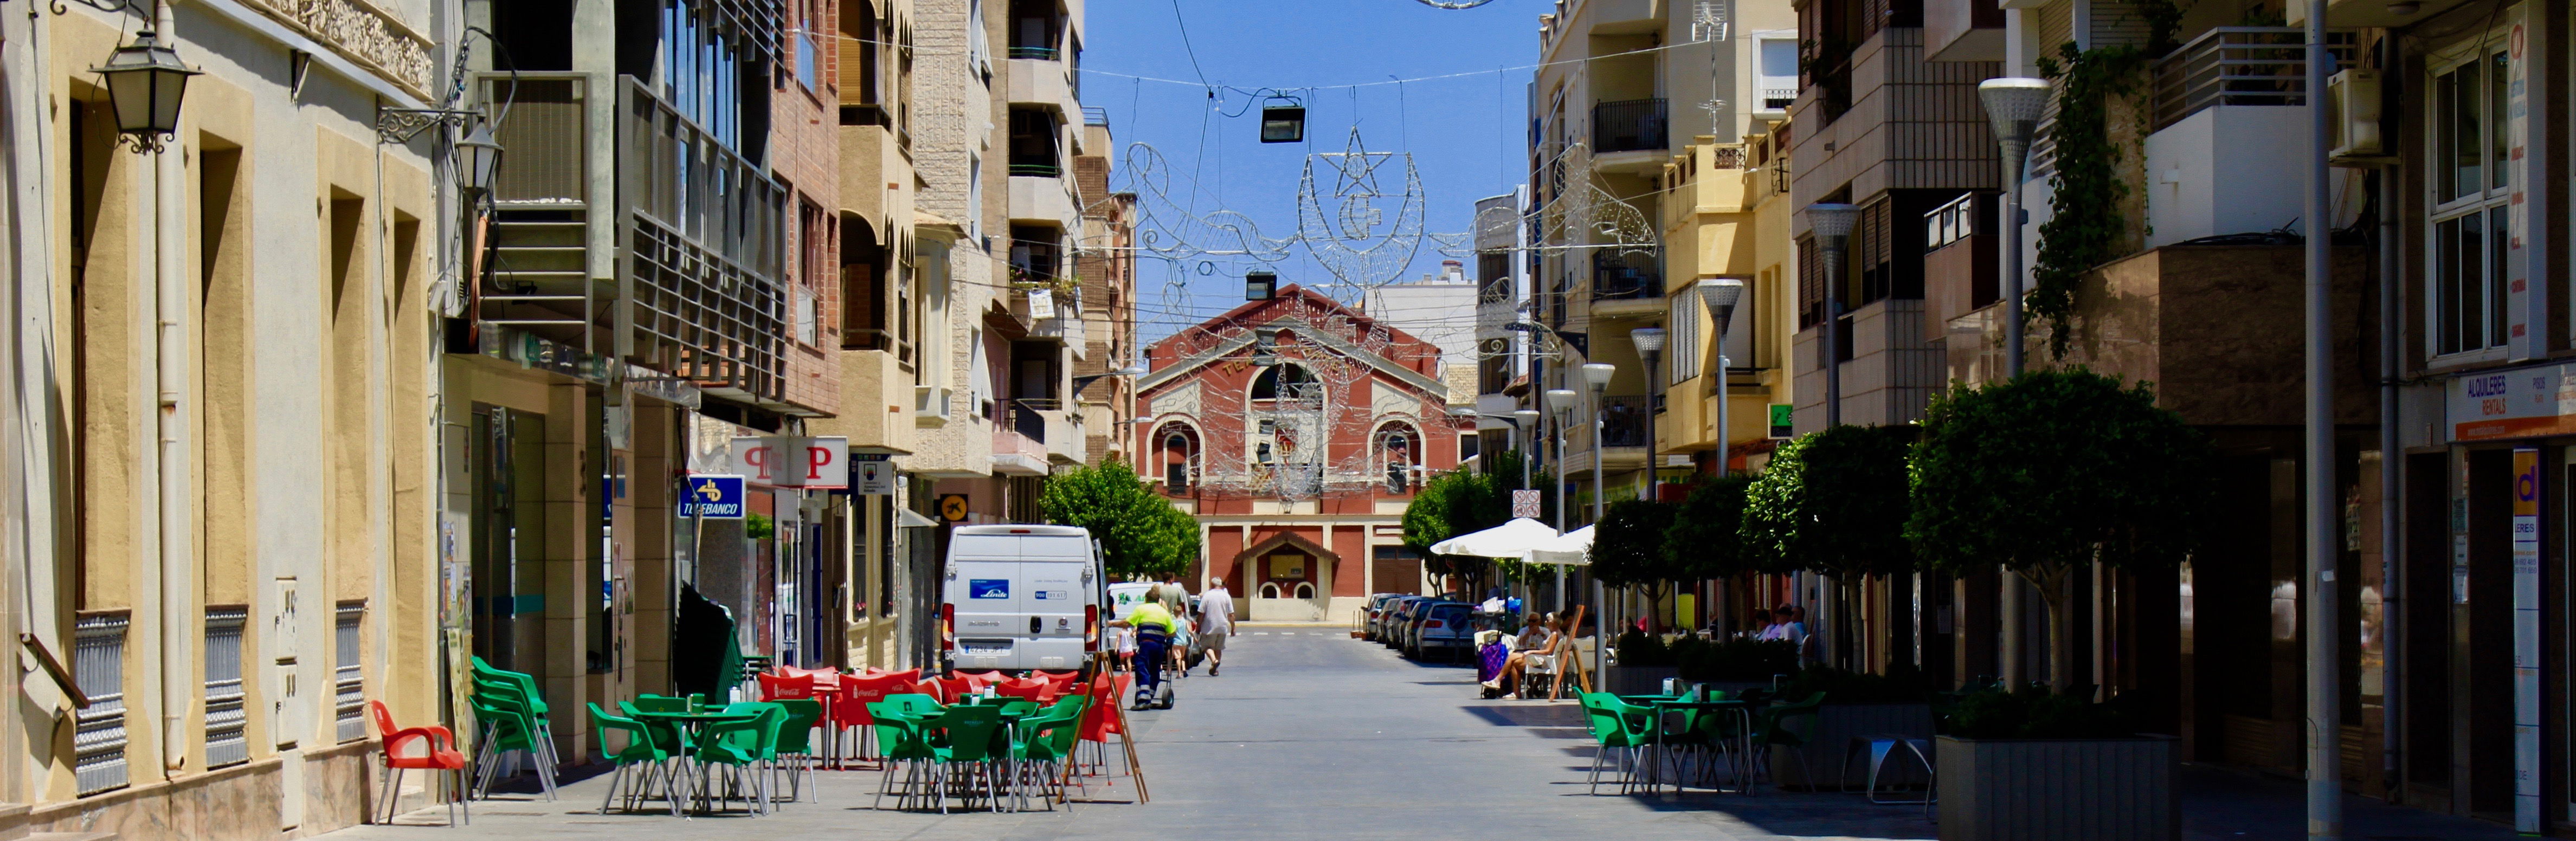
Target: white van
{"x":1020,"y":597}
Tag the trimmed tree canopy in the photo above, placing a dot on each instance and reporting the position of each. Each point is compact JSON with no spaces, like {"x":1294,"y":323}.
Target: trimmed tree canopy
{"x":1832,"y":502}
{"x":1139,"y":532}
{"x":2055,"y":469}
{"x":1628,"y":544}
{"x":1705,"y":539}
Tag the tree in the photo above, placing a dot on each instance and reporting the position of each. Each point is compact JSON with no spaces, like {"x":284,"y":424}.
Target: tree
{"x":1139,"y":532}
{"x":1453,"y":503}
{"x":1706,"y":540}
{"x":1832,"y":502}
{"x":2051,"y":471}
{"x":1628,"y":547}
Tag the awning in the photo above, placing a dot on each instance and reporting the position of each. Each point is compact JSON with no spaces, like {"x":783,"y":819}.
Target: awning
{"x":1573,"y":548}
{"x":1508,"y":540}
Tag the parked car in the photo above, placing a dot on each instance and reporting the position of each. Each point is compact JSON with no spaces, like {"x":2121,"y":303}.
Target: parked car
{"x":1446,"y":629}
{"x":1377,"y":605}
{"x":1391,"y":617}
{"x":1406,"y":614}
{"x":1409,"y":637}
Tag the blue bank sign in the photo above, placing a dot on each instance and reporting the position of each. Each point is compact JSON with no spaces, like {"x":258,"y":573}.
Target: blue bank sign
{"x":713,"y":497}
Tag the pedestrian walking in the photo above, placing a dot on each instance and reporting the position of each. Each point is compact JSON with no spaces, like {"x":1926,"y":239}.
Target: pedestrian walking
{"x":1216,"y":621}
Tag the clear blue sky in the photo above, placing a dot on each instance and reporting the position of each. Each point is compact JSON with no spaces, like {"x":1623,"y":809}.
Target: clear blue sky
{"x":1466,"y":134}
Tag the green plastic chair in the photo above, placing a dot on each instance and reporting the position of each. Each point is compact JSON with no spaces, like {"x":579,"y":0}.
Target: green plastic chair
{"x":746,"y":745}
{"x":642,"y":748}
{"x":506,"y":727}
{"x":1040,"y":746}
{"x":1773,"y":727}
{"x":900,"y":739}
{"x":796,"y":743}
{"x":671,"y":737}
{"x":516,"y":693}
{"x":1617,"y":725}
{"x":962,"y":749}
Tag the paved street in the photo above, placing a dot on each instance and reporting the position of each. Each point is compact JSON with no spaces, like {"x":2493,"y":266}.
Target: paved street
{"x":1314,"y":735}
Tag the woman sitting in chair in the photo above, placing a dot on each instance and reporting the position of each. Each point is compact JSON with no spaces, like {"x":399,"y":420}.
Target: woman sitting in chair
{"x":1536,"y":636}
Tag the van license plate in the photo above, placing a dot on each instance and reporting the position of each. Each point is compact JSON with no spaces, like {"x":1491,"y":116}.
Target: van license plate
{"x":986,"y":646}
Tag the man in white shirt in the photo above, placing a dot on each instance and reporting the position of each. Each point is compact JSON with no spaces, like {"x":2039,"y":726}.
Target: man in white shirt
{"x":1216,"y":620}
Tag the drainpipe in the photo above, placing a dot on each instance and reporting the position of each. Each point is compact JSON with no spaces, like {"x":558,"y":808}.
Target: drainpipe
{"x":170,"y":303}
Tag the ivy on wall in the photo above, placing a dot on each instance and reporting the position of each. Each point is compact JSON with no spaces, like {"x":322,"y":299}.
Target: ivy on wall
{"x":2085,"y":223}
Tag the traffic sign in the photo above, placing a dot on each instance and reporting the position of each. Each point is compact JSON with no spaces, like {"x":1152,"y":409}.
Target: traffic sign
{"x":713,"y":497}
{"x":952,"y":508}
{"x":1525,"y":504}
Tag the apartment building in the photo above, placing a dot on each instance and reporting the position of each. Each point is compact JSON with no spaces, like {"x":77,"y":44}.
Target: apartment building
{"x":221,"y":528}
{"x":1002,"y":125}
{"x":1105,"y":266}
{"x":1625,"y":85}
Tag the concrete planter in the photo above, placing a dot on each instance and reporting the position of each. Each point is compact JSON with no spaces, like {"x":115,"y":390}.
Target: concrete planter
{"x":1830,"y":741}
{"x":1638,"y":680}
{"x":2096,"y":789}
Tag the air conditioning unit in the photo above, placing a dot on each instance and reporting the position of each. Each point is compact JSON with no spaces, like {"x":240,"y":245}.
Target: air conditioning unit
{"x":2352,"y":113}
{"x":930,"y":406}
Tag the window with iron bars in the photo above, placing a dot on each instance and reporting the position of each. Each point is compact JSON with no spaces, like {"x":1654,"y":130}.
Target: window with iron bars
{"x":98,"y":666}
{"x":348,"y":680}
{"x":226,"y":742}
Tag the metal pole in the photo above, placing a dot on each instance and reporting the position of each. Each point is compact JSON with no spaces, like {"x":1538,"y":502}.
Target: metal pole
{"x":2016,"y":158}
{"x":1830,"y":349}
{"x":1600,"y":491}
{"x":2324,"y":715}
{"x":1654,"y":481}
{"x":2392,"y":459}
{"x":1558,"y":480}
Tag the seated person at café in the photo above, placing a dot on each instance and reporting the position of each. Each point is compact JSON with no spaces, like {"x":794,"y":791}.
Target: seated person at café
{"x":1534,"y":638}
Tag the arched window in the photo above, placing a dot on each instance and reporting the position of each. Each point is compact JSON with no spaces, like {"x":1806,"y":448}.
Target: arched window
{"x":1179,"y":449}
{"x":1396,"y":450}
{"x":1267,"y":386}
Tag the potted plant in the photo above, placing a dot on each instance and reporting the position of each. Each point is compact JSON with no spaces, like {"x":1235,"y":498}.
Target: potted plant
{"x":1643,"y":663}
{"x":2031,"y":763}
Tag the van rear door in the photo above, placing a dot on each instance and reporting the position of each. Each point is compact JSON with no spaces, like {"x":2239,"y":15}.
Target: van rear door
{"x":986,"y":596}
{"x":1058,"y":588}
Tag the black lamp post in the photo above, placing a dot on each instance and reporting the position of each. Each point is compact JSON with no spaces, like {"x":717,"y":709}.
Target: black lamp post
{"x":478,"y":161}
{"x":145,"y":85}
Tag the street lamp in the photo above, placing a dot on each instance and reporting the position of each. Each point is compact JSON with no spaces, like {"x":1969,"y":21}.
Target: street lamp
{"x":2014,"y":104}
{"x":1597,"y":374}
{"x":1560,"y":401}
{"x":1832,"y":224}
{"x":145,"y":85}
{"x":478,"y":161}
{"x":1650,"y":346}
{"x":1720,"y":294}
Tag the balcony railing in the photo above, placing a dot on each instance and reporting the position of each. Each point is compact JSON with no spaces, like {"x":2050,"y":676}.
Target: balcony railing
{"x":1094,"y":115}
{"x":1040,"y":53}
{"x":1028,"y":417}
{"x":1625,"y":277}
{"x":2240,"y":65}
{"x":703,"y":234}
{"x":1038,"y":170}
{"x":1624,"y":421}
{"x":1631,"y":126}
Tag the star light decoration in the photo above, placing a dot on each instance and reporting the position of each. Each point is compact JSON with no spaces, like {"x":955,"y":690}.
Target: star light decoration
{"x":1332,"y":234}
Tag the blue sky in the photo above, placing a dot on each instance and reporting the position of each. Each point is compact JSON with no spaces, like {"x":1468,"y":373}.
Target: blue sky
{"x":1466,"y":133}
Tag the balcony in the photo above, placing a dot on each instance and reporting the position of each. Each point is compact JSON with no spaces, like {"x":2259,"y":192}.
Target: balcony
{"x":1629,"y":134}
{"x":542,"y":279}
{"x":2240,"y":65}
{"x":1626,"y":284}
{"x":870,"y":378}
{"x":1963,"y":30}
{"x":1624,"y":420}
{"x":1043,"y":199}
{"x":1042,"y":80}
{"x":1019,"y":442}
{"x":1959,"y":271}
{"x":702,"y":228}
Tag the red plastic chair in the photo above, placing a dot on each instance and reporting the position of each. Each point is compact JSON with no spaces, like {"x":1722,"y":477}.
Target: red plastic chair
{"x":850,"y":707}
{"x":777,"y":686}
{"x":1065,"y":683}
{"x":1100,"y":720}
{"x":429,"y":748}
{"x":1034,"y":689}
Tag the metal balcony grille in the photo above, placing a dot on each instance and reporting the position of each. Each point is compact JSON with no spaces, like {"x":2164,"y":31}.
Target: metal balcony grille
{"x":2240,"y":65}
{"x":1629,"y":126}
{"x":98,"y":665}
{"x":546,"y":139}
{"x":348,"y":678}
{"x":702,"y":238}
{"x":226,"y":743}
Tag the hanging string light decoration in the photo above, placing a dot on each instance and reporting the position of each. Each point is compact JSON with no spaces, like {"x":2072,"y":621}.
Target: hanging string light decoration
{"x":1343,"y":235}
{"x":1453,"y":4}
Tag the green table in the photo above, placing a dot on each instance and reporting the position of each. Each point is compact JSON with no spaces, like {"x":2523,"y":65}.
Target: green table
{"x":697,"y":723}
{"x":1743,"y":733}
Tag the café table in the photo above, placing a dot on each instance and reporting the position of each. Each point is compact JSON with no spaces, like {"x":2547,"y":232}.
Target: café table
{"x":1742,"y":755}
{"x":696,"y":722}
